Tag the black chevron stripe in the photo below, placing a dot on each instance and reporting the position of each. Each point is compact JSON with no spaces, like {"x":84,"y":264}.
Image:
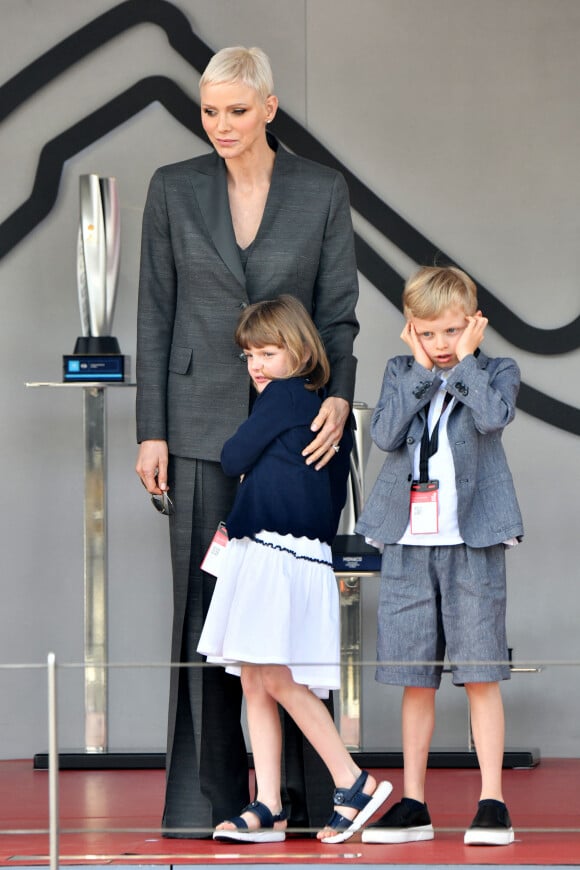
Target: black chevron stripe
{"x":164,"y":90}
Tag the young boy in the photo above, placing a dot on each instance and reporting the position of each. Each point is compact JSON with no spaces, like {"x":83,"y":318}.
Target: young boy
{"x":445,"y":508}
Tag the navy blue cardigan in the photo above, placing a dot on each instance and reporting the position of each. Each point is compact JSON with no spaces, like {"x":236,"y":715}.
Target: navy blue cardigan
{"x":280,"y":493}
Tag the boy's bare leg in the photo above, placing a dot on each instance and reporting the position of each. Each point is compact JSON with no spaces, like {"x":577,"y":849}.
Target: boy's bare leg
{"x":488,"y":728}
{"x":418,"y":723}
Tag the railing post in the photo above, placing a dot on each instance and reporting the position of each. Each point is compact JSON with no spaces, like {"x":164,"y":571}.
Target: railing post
{"x":53,"y":808}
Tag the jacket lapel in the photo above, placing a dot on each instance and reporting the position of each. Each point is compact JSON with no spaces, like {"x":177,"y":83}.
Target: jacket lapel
{"x":212,"y":196}
{"x":278,"y":187}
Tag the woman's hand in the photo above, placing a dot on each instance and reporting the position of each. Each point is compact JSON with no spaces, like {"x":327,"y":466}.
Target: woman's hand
{"x":151,"y":466}
{"x":329,"y":423}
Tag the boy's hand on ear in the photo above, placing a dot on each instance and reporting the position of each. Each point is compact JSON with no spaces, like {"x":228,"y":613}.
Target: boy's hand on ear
{"x":472,"y":335}
{"x":410,"y":337}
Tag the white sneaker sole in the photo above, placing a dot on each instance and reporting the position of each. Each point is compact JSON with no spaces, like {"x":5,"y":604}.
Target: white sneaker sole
{"x":488,"y":837}
{"x":398,"y":835}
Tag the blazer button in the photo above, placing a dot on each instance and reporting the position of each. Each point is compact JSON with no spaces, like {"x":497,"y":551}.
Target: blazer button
{"x":410,"y":440}
{"x":243,"y":305}
{"x":409,"y":477}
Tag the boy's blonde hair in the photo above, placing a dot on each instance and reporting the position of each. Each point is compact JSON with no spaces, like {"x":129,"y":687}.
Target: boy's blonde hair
{"x":433,"y":289}
{"x":251,"y":66}
{"x":285,"y":322}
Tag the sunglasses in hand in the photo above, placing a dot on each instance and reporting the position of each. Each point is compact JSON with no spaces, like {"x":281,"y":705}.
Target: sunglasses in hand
{"x":163,"y":504}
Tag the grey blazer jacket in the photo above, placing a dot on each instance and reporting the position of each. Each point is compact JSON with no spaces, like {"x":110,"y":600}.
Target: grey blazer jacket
{"x":192,"y":386}
{"x":486,"y":390}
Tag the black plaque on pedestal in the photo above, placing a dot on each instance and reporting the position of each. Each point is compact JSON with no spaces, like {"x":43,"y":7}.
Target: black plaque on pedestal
{"x":95,"y":358}
{"x":352,"y":555}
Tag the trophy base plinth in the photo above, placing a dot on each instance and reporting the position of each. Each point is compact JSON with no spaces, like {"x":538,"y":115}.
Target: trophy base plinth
{"x":92,"y":367}
{"x":96,"y":345}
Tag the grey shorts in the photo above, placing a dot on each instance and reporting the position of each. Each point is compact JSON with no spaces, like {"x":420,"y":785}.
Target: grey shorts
{"x":438,"y":600}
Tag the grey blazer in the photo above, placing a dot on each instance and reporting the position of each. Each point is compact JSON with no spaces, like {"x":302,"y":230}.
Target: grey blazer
{"x":486,"y":390}
{"x":192,"y":387}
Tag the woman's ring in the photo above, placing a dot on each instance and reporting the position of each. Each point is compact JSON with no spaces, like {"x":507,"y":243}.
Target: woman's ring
{"x":336,"y":447}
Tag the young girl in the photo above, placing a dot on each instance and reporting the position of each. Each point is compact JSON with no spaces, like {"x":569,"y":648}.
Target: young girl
{"x":274,"y":615}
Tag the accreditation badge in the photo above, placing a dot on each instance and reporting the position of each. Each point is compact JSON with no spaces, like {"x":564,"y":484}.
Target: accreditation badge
{"x":213,"y":558}
{"x":424,"y":507}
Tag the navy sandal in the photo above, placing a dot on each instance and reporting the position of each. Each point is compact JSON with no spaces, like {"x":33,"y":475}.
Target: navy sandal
{"x":356,"y":799}
{"x":264,"y":834}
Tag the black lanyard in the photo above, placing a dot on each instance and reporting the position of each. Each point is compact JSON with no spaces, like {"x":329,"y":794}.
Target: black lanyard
{"x":430,"y":445}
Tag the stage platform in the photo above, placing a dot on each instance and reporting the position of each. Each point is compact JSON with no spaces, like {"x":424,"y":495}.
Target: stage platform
{"x":111,"y":818}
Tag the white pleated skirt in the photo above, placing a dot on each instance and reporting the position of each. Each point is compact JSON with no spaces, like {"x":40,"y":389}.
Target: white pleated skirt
{"x":276,"y":602}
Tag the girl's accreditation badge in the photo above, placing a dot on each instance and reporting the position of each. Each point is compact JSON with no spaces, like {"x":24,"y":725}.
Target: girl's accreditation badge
{"x":424,"y":508}
{"x":213,"y":558}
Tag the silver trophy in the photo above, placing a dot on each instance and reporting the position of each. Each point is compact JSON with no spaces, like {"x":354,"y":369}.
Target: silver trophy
{"x":96,"y":351}
{"x":98,"y":263}
{"x":358,"y":461}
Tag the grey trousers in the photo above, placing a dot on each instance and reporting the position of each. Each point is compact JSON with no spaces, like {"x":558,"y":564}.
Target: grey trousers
{"x":207,"y":764}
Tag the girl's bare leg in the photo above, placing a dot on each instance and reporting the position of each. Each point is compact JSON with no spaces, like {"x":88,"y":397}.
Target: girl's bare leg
{"x":317,"y":725}
{"x":266,"y":739}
